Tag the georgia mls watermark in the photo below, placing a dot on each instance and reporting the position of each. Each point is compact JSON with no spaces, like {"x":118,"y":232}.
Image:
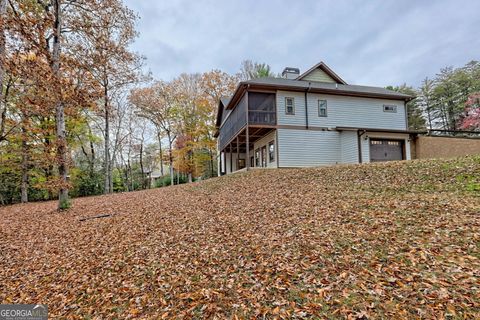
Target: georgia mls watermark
{"x":23,"y":312}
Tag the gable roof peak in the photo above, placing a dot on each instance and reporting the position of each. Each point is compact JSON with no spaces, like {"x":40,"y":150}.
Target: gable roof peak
{"x":322,"y":66}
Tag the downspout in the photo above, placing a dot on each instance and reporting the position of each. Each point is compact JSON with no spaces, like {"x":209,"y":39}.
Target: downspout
{"x":306,"y":105}
{"x":360,"y":133}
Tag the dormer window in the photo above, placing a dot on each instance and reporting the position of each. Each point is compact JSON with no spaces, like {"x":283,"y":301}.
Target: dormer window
{"x":389,"y":108}
{"x":289,"y":106}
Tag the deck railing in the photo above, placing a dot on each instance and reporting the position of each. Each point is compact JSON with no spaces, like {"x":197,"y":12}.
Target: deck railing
{"x":236,"y":120}
{"x":262,"y":117}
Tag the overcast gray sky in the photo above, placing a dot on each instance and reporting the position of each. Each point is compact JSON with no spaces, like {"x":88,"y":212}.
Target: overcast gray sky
{"x":366,"y":42}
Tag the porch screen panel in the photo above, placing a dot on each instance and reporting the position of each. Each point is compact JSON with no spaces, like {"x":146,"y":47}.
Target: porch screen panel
{"x":235,"y":121}
{"x":261,"y":108}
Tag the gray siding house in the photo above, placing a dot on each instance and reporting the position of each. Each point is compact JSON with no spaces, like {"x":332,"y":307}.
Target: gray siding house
{"x":310,"y":119}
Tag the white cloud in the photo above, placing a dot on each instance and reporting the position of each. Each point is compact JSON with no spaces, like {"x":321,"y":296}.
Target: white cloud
{"x":372,"y":43}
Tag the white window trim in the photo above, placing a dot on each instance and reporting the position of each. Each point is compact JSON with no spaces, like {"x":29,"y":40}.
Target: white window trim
{"x":259,"y":158}
{"x":326,"y":108}
{"x":293,"y":106}
{"x":386,"y":106}
{"x":271,"y":143}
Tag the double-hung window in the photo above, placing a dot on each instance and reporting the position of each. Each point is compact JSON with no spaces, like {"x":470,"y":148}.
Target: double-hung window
{"x":322,"y":108}
{"x":289,"y":106}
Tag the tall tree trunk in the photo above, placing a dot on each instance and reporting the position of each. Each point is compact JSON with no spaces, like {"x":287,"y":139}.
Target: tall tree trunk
{"x":24,"y":185}
{"x":125,"y":177}
{"x":63,"y":201}
{"x":190,"y":167}
{"x":92,"y":161}
{"x":3,"y":10}
{"x":141,"y":166}
{"x":131,"y":175}
{"x":50,"y":167}
{"x":107,"y":145}
{"x":444,"y":117}
{"x":3,"y":101}
{"x":451,"y":117}
{"x":92,"y":156}
{"x":110,"y":174}
{"x":170,"y":157}
{"x":212,"y":173}
{"x":161,"y":152}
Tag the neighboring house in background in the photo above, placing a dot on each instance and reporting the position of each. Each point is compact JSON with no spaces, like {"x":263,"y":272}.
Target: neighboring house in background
{"x":312,"y":119}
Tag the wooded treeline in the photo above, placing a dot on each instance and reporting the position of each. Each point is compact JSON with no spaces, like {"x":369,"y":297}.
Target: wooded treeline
{"x":65,"y":66}
{"x":450,"y":101}
{"x":78,"y":116}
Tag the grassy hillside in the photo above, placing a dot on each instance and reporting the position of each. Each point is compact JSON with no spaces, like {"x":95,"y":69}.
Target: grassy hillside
{"x":387,"y":240}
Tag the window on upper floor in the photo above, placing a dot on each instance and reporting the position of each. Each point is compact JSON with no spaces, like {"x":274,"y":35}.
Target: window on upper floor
{"x":322,"y":108}
{"x":289,"y":106}
{"x":389,"y":108}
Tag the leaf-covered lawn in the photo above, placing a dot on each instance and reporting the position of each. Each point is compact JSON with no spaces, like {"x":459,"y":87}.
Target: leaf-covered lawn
{"x":396,"y":240}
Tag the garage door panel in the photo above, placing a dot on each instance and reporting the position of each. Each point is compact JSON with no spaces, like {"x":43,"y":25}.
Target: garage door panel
{"x":386,"y":150}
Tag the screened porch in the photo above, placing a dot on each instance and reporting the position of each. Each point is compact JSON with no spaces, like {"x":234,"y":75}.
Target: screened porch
{"x":251,"y":119}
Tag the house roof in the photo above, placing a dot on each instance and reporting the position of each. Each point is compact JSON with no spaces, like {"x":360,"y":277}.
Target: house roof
{"x":316,"y":87}
{"x":321,"y":65}
{"x":225,"y":100}
{"x":327,"y":87}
